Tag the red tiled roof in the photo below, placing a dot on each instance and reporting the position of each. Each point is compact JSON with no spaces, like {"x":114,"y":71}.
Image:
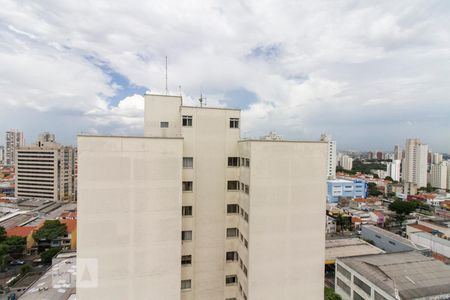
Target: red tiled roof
{"x":22,"y":231}
{"x":71,"y":224}
{"x":68,"y":215}
{"x":422,"y":227}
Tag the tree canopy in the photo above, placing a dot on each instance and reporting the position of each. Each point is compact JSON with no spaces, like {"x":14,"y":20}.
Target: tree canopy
{"x":50,"y":230}
{"x":331,"y":295}
{"x":402,"y":209}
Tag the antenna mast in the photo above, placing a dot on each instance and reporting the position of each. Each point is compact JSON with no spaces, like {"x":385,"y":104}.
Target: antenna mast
{"x":167,"y":89}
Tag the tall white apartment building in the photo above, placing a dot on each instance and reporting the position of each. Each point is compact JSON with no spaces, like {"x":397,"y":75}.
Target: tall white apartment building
{"x":45,"y":170}
{"x":14,"y":140}
{"x":438,"y":175}
{"x":2,"y":154}
{"x":346,"y":162}
{"x":415,"y":163}
{"x":398,"y":153}
{"x":437,"y":158}
{"x":331,"y":165}
{"x":393,"y":169}
{"x":191,"y":211}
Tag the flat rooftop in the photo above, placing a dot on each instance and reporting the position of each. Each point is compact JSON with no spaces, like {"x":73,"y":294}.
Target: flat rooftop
{"x":393,"y":236}
{"x":411,"y":273}
{"x":340,"y":248}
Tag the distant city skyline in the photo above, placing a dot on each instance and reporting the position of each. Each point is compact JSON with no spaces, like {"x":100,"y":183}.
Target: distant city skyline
{"x":370,"y":74}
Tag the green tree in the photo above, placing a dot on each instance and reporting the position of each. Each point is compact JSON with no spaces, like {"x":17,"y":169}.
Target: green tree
{"x":402,"y":209}
{"x":25,"y":269}
{"x":373,"y":190}
{"x":50,"y":230}
{"x":47,"y":255}
{"x":343,"y":222}
{"x":389,"y":178}
{"x":376,"y":176}
{"x":2,"y":234}
{"x":15,"y":245}
{"x":331,"y":295}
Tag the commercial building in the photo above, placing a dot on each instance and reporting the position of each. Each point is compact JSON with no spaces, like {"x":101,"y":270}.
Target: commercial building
{"x":338,"y":188}
{"x":392,"y":276}
{"x":331,"y":166}
{"x":439,"y":247}
{"x":437,"y":158}
{"x":2,"y":154}
{"x":388,"y":241}
{"x":45,"y":170}
{"x":340,"y":248}
{"x":393,"y":169}
{"x":191,"y":211}
{"x":415,"y":163}
{"x":438,"y":175}
{"x":14,"y":140}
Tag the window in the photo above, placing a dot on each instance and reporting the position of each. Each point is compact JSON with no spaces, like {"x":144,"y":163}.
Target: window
{"x":233,"y":185}
{"x":232,"y":209}
{"x":185,"y":284}
{"x":232,"y":256}
{"x":164,"y":124}
{"x":234,"y":298}
{"x":232,"y":232}
{"x":378,"y":296}
{"x":357,"y":296}
{"x":343,"y":271}
{"x":246,"y":189}
{"x":242,"y":237}
{"x":391,"y":242}
{"x":230,"y":279}
{"x":364,"y":286}
{"x":242,"y":161}
{"x":245,"y":270}
{"x":234,"y":122}
{"x":186,"y":211}
{"x":187,"y":121}
{"x":247,"y":162}
{"x":187,"y":186}
{"x":246,"y":217}
{"x":343,"y":286}
{"x":246,"y":243}
{"x":186,"y":235}
{"x":188,"y":162}
{"x":186,"y":260}
{"x":233,"y":161}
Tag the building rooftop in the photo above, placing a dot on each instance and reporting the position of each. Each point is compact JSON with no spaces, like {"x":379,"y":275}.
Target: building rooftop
{"x":393,"y":236}
{"x":422,"y":227}
{"x":435,"y":239}
{"x":411,"y":273}
{"x":346,"y":248}
{"x":22,"y":231}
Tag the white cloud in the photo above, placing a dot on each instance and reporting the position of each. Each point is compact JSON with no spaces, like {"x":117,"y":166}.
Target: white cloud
{"x":311,"y":65}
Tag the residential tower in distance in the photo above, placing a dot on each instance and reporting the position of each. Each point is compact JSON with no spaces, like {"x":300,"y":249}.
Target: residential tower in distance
{"x":13,"y":140}
{"x":191,"y":211}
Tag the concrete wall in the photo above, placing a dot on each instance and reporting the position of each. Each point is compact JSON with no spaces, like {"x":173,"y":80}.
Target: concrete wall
{"x":129,"y":209}
{"x":286,"y":228}
{"x":160,"y":108}
{"x":384,"y":242}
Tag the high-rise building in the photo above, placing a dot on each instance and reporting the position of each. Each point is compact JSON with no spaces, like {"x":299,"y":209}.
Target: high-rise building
{"x":437,"y":158}
{"x":331,"y":165}
{"x":415,"y":163}
{"x":438,"y":175}
{"x":398,"y":152}
{"x":14,"y":140}
{"x":346,"y":162}
{"x":2,"y":154}
{"x":45,"y":170}
{"x":191,"y":211}
{"x":393,"y":169}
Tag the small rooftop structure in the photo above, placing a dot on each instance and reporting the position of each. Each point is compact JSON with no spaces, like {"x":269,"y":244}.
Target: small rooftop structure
{"x":340,"y":248}
{"x":410,"y":274}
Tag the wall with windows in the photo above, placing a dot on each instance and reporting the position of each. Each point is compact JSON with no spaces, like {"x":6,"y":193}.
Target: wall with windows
{"x":129,"y":216}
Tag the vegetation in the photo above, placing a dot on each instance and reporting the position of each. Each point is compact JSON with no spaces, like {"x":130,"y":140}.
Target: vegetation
{"x":402,"y":209}
{"x":367,"y":167}
{"x":10,"y":247}
{"x":25,"y":269}
{"x":428,"y":189}
{"x":369,"y":241}
{"x":50,"y":230}
{"x":331,"y":295}
{"x":341,"y":169}
{"x":389,"y":178}
{"x":47,"y":255}
{"x":2,"y":234}
{"x":373,"y":190}
{"x":343,"y":222}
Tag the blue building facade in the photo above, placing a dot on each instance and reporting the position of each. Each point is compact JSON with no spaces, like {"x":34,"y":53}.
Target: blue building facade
{"x":356,"y":188}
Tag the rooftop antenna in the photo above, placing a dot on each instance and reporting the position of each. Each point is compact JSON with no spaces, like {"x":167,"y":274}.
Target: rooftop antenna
{"x":167,"y":89}
{"x":201,"y":99}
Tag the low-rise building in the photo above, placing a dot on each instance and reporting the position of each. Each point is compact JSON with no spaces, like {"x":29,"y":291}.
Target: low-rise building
{"x":340,"y":248}
{"x":338,"y":188}
{"x":388,"y":241}
{"x":439,"y":247}
{"x":392,"y":276}
{"x":25,"y":232}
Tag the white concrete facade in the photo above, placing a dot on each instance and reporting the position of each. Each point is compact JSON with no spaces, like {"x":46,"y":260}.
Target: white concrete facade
{"x":415,"y":163}
{"x":250,"y":211}
{"x":393,"y":169}
{"x":13,"y":141}
{"x":331,"y":165}
{"x":438,"y":175}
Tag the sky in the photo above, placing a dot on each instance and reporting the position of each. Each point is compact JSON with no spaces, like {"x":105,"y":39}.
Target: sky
{"x":371,"y":73}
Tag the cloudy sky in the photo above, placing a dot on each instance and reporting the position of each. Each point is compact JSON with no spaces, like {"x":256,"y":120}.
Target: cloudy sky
{"x":371,"y":73}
